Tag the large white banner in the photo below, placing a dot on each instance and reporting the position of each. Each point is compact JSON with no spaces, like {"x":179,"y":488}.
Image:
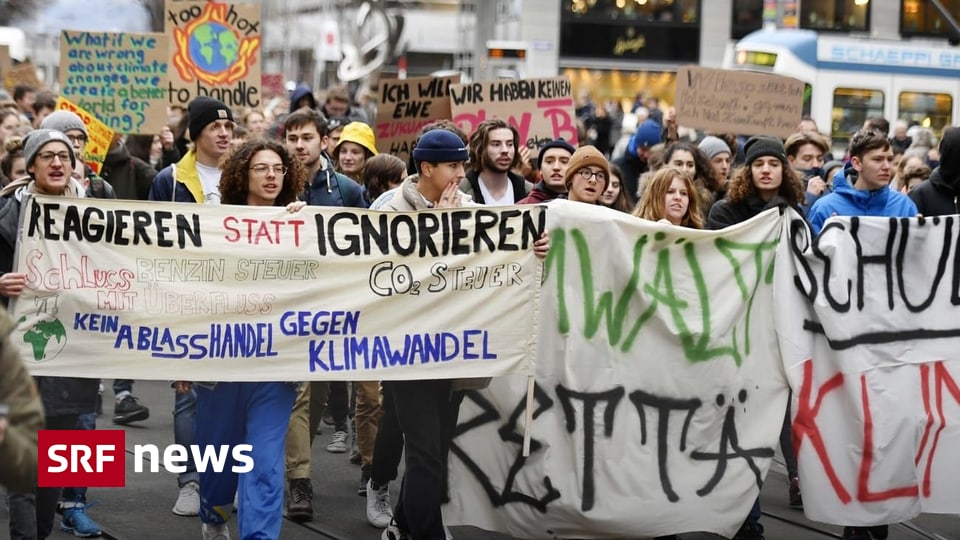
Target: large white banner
{"x":124,"y":289}
{"x":868,"y":315}
{"x":659,"y":388}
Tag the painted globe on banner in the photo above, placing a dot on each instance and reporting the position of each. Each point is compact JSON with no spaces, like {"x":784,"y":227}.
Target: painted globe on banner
{"x":213,"y":47}
{"x":46,"y":337}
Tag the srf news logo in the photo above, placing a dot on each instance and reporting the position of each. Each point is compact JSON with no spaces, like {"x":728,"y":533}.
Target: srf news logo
{"x":97,"y":458}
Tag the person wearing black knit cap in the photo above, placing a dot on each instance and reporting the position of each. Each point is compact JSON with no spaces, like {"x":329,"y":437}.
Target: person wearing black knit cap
{"x":195,"y":178}
{"x":765,"y":181}
{"x":552,"y":161}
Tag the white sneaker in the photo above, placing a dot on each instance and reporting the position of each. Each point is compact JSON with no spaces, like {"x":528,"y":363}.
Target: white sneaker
{"x":379,"y":511}
{"x":214,"y":531}
{"x":338,"y":443}
{"x":393,"y":533}
{"x":188,"y":501}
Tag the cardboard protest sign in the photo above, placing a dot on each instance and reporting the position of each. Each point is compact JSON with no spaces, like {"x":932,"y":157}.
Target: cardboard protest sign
{"x":215,"y":51}
{"x":741,"y":102}
{"x":272,"y":84}
{"x":23,"y":73}
{"x":404,"y":106}
{"x":540,"y":109}
{"x":659,"y":393}
{"x":230,"y":293}
{"x":119,"y":77}
{"x":5,"y":62}
{"x":99,"y":134}
{"x":867,"y":317}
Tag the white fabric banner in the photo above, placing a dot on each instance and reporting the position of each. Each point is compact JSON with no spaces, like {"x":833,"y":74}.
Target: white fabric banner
{"x":140,"y":290}
{"x":867,"y":316}
{"x":659,"y":388}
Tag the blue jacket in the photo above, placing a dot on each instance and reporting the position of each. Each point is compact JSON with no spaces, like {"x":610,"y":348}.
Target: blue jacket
{"x":847,"y":201}
{"x":330,"y":188}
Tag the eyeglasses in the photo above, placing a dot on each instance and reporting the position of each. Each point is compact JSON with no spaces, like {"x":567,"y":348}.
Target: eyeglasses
{"x":263,"y":169}
{"x":46,"y":158}
{"x":78,"y":139}
{"x":587,"y":174}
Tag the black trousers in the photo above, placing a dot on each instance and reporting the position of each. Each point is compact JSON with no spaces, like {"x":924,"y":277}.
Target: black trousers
{"x":427,"y":414}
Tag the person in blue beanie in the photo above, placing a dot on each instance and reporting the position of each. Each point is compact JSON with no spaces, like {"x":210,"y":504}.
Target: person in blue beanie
{"x":633,"y":163}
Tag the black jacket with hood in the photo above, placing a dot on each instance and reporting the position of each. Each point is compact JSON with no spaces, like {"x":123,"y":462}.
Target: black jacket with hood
{"x":471,"y":186}
{"x":938,"y":195}
{"x":330,"y":188}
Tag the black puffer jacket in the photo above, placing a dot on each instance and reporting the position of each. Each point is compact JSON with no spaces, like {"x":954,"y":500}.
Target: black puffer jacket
{"x":938,"y":195}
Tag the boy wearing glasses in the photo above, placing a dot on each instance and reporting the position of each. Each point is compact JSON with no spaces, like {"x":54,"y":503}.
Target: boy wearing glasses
{"x":50,"y":162}
{"x":73,"y":127}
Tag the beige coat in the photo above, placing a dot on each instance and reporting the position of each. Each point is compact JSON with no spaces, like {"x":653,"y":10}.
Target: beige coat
{"x":408,"y":199}
{"x":18,"y":451}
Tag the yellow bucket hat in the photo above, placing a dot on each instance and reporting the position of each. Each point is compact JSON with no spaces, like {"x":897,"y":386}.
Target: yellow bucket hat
{"x":359,"y":133}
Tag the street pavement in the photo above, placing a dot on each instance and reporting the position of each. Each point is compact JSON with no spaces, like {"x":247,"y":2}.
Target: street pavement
{"x":142,"y":510}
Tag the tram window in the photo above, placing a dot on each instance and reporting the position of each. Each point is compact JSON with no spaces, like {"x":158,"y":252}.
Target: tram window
{"x":747,"y":17}
{"x":851,"y":108}
{"x":928,"y":110}
{"x":842,"y":15}
{"x":920,"y":17}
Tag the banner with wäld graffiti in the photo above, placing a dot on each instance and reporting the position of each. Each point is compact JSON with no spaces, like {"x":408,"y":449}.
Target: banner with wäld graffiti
{"x":867,"y":315}
{"x":659,"y":390}
{"x":170,"y":291}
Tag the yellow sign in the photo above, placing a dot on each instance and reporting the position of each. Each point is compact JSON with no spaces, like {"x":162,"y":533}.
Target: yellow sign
{"x":100,"y":135}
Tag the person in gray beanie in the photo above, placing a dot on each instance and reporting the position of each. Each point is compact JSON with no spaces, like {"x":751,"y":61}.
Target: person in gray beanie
{"x":39,"y":138}
{"x":719,"y":155}
{"x":73,"y":127}
{"x":50,"y":162}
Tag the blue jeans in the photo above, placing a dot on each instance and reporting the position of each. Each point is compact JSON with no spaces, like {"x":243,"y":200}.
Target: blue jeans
{"x":254,"y":413}
{"x":184,"y":428}
{"x":122,"y":386}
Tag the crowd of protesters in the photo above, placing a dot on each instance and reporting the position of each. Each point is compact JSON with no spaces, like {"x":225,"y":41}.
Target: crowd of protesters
{"x":321,"y":150}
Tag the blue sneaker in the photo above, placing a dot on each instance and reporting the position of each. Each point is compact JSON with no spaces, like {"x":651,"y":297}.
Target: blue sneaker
{"x":76,"y":521}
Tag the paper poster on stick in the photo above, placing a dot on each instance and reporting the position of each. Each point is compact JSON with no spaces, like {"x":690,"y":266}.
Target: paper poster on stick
{"x":540,"y":109}
{"x":119,"y":77}
{"x":741,"y":102}
{"x":99,"y":134}
{"x":404,"y":106}
{"x":215,"y":52}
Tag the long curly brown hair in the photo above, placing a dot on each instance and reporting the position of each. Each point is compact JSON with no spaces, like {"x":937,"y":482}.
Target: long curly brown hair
{"x":481,"y":136}
{"x":235,"y":178}
{"x":741,"y":185}
{"x":652,"y":205}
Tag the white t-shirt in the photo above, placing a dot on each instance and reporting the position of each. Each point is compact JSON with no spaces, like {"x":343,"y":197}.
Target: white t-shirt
{"x":210,"y":180}
{"x":490,"y":200}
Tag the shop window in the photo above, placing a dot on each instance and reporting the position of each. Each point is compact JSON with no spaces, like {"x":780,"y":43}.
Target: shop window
{"x":928,"y":110}
{"x":653,"y":11}
{"x":851,"y":108}
{"x":839,"y":15}
{"x":919,"y":17}
{"x":747,"y":17}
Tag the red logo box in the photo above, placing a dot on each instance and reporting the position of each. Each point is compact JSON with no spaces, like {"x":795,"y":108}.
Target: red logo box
{"x":81,"y":458}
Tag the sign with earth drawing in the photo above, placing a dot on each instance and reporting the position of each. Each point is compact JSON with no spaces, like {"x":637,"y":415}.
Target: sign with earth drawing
{"x":215,"y":52}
